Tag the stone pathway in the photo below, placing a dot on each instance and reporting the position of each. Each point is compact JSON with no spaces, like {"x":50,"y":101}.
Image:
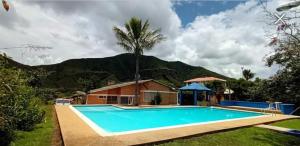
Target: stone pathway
{"x":281,"y":129}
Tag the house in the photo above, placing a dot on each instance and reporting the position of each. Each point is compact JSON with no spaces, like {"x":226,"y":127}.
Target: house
{"x":123,"y":93}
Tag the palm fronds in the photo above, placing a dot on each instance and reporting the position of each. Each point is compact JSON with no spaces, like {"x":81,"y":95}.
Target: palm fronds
{"x":137,"y":36}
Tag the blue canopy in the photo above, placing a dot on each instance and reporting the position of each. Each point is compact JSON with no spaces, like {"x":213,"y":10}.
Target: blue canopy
{"x":195,"y":86}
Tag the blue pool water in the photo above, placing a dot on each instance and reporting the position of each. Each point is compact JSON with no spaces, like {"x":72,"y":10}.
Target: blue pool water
{"x":114,"y":119}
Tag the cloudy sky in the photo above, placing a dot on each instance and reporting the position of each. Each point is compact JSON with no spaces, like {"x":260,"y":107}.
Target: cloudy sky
{"x":222,"y":36}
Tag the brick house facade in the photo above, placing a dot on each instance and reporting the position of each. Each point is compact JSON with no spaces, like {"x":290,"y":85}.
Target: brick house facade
{"x":123,"y":93}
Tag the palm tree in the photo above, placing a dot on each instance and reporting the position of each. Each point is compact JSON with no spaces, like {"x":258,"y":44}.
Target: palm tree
{"x":248,"y":74}
{"x":136,"y":38}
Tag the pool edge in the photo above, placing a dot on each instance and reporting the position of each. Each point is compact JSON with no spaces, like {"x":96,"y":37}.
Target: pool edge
{"x":100,"y":131}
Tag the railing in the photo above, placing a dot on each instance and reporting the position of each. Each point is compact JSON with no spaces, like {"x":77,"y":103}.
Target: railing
{"x":295,"y":110}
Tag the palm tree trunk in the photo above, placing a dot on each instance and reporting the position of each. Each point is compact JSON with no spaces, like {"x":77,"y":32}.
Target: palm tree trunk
{"x":137,"y":80}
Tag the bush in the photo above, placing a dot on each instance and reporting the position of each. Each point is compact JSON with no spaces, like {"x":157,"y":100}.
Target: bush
{"x":28,"y":119}
{"x":19,"y":105}
{"x":6,"y":131}
{"x":46,"y":95}
{"x":22,"y":108}
{"x":202,"y":103}
{"x":152,"y":102}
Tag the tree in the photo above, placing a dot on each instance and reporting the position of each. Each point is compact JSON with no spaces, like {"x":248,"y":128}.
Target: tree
{"x":258,"y":90}
{"x":136,"y":38}
{"x":19,"y":107}
{"x":247,"y":74}
{"x":285,"y":42}
{"x":241,"y":88}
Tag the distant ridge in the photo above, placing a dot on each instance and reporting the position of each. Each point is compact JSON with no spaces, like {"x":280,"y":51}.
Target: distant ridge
{"x":75,"y":74}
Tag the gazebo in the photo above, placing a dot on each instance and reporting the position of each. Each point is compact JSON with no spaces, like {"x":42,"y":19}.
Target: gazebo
{"x":219,"y":93}
{"x":78,"y":95}
{"x":195,"y":88}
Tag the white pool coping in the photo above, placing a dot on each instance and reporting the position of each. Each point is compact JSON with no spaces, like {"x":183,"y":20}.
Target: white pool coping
{"x":100,"y":131}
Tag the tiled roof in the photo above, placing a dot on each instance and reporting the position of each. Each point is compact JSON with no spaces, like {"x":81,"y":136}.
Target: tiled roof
{"x":118,"y":85}
{"x":204,"y":79}
{"x":195,"y":86}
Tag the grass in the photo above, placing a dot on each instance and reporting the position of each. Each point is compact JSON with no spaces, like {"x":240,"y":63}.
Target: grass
{"x":241,"y":137}
{"x":41,"y":135}
{"x":292,"y":124}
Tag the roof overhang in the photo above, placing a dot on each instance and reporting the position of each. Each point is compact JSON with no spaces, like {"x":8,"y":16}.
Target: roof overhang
{"x":127,"y":84}
{"x":194,"y":87}
{"x":204,"y":79}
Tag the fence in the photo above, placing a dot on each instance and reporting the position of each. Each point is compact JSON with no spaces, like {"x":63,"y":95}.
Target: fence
{"x":284,"y":108}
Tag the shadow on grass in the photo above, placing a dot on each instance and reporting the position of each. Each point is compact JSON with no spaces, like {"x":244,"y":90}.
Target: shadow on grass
{"x":277,"y":139}
{"x":240,"y":137}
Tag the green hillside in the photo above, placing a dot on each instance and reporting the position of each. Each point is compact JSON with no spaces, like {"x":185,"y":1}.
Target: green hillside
{"x":89,"y":73}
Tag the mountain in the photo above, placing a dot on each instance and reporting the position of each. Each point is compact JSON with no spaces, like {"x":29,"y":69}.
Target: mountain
{"x":89,"y":73}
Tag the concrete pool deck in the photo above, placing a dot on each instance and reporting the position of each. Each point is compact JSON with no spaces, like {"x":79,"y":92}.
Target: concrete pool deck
{"x":76,"y":132}
{"x":281,"y":129}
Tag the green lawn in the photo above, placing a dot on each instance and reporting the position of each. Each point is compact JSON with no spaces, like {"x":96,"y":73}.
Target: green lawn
{"x":292,"y":124}
{"x":241,"y":137}
{"x":40,"y":136}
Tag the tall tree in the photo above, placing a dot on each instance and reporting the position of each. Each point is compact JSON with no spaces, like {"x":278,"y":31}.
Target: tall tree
{"x":247,"y":74}
{"x":285,"y":42}
{"x":136,"y":38}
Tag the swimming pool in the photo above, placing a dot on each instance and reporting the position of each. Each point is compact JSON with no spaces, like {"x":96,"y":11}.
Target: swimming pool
{"x":114,"y":120}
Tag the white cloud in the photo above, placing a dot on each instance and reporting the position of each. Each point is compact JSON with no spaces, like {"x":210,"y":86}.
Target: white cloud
{"x":226,"y":41}
{"x":222,"y":42}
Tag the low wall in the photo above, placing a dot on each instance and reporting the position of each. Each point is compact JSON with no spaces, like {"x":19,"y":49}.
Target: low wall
{"x":287,"y":108}
{"x":284,"y":108}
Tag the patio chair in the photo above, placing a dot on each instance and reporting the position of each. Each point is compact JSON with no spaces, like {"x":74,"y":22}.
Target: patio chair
{"x":269,"y":108}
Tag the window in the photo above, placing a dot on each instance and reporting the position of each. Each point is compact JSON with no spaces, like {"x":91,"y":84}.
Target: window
{"x":112,"y":99}
{"x":101,"y":97}
{"x":149,"y":96}
{"x":125,"y":100}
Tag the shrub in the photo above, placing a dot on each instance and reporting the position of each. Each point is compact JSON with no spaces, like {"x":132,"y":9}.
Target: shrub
{"x":152,"y":102}
{"x":28,"y":119}
{"x":19,"y":105}
{"x":22,"y":108}
{"x":6,"y":131}
{"x":46,"y":95}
